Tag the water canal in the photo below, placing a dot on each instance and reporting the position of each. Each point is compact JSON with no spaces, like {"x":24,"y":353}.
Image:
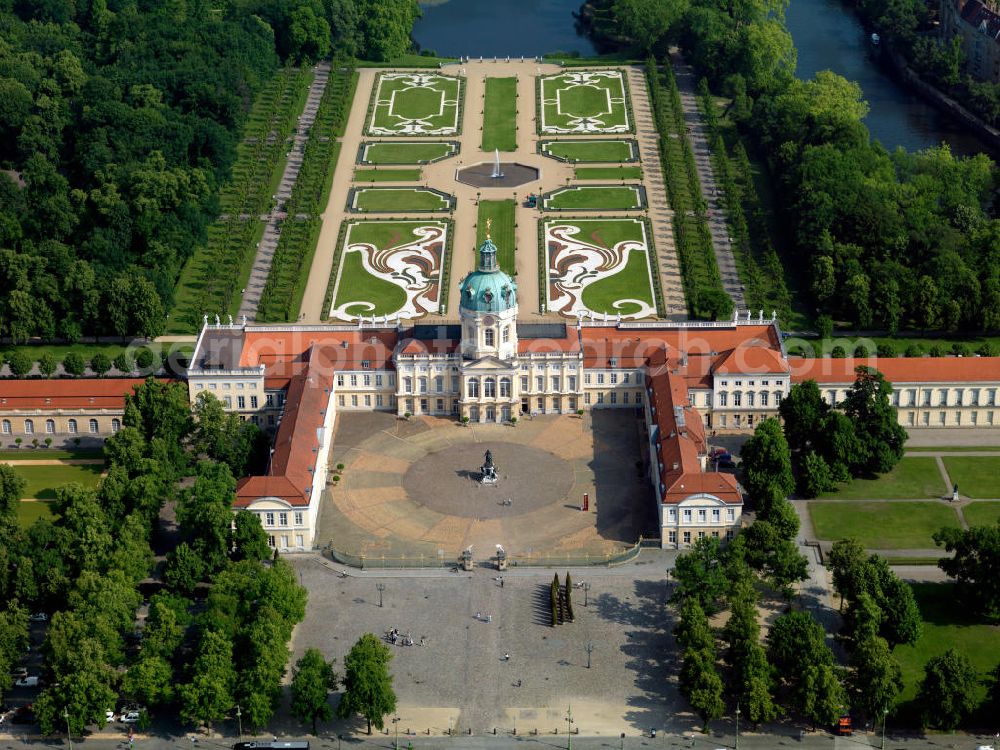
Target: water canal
{"x":826,"y":33}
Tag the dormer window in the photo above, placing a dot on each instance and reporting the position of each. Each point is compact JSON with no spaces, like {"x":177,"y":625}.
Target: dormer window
{"x":366,"y":364}
{"x":613,"y":362}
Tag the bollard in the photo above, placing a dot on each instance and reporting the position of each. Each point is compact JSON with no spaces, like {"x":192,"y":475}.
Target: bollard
{"x":470,"y":731}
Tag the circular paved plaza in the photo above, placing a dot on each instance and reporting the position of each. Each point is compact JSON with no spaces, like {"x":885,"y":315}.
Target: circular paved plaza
{"x":410,"y":487}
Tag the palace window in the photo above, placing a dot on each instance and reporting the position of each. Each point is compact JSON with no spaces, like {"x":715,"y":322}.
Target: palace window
{"x":269,"y":519}
{"x":488,"y":336}
{"x":687,"y":537}
{"x":600,"y":378}
{"x":473,"y":386}
{"x":763,"y":398}
{"x":504,"y":387}
{"x":50,"y":426}
{"x":777,"y":398}
{"x":555,"y":382}
{"x":490,"y":388}
{"x":6,"y":427}
{"x":723,"y":399}
{"x":614,"y":378}
{"x":253,"y":402}
{"x":241,"y":402}
{"x":116,"y":425}
{"x":586,"y":378}
{"x":750,"y":395}
{"x":524,"y":382}
{"x":506,"y":334}
{"x":572,"y":382}
{"x":439,"y":384}
{"x":737,"y":399}
{"x":378,"y":380}
{"x":614,"y":397}
{"x":299,"y":518}
{"x":366,"y":364}
{"x":408,"y":385}
{"x":72,"y":427}
{"x":282,"y":519}
{"x":29,"y":427}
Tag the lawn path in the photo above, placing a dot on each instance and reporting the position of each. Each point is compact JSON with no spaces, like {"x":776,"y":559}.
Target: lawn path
{"x":272,"y":230}
{"x":53,"y":461}
{"x":948,"y":485}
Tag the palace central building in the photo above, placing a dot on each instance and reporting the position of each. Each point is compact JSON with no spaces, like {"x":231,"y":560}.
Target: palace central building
{"x":687,"y":379}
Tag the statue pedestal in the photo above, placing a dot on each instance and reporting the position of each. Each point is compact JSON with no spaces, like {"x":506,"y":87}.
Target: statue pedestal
{"x":466,"y":559}
{"x":501,"y":559}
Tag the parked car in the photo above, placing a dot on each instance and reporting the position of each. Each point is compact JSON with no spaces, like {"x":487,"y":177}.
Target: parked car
{"x":718,"y":452}
{"x":18,"y":672}
{"x":30,"y":680}
{"x":724,"y":456}
{"x":132,"y":717}
{"x":24,"y":714}
{"x":725,"y":464}
{"x":39,"y":617}
{"x":109,"y":716}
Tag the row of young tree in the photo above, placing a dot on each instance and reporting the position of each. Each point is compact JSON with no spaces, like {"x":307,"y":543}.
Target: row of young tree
{"x":826,"y":444}
{"x":887,"y":240}
{"x":120,"y":121}
{"x":85,"y":568}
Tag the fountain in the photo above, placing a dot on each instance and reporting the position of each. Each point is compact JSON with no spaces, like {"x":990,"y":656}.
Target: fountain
{"x":497,"y":173}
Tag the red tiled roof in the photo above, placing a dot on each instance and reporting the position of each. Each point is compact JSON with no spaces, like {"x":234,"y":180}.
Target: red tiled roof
{"x":82,"y":393}
{"x":376,"y":347}
{"x":898,"y":369}
{"x":748,"y":359}
{"x":251,"y":489}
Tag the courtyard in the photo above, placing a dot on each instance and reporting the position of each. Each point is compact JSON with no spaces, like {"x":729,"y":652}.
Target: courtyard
{"x":409,"y":492}
{"x":458,"y":679}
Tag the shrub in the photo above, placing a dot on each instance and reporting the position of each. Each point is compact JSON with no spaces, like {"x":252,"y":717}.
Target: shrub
{"x":987,"y":350}
{"x":340,"y":467}
{"x":838,"y":352}
{"x":124,"y":362}
{"x":886,"y":350}
{"x":20,"y":363}
{"x":100,"y":363}
{"x":47,"y":365}
{"x":74,"y":364}
{"x":960,"y":350}
{"x":144,"y":359}
{"x":936,"y":351}
{"x":914,"y":350}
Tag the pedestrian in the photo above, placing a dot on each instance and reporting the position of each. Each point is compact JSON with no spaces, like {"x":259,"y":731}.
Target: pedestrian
{"x":506,"y":656}
{"x":479,"y":615}
{"x":489,"y":618}
{"x":501,"y":581}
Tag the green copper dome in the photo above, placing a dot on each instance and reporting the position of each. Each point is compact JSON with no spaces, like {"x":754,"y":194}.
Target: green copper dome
{"x":489,"y":289}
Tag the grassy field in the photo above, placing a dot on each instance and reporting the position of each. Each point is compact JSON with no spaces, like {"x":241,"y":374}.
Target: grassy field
{"x":29,"y":512}
{"x":49,"y":454}
{"x":415,"y":104}
{"x":591,"y":151}
{"x":947,"y":625}
{"x":632,"y":282}
{"x":398,"y":200}
{"x":406,"y":153}
{"x":594,"y":197}
{"x":981,"y":513}
{"x":950,"y":449}
{"x":584,"y":102}
{"x":911,"y":478}
{"x":608,"y":173}
{"x":976,"y":476}
{"x":500,"y":114}
{"x":898,"y":525}
{"x":502,"y":233}
{"x":357,"y":285}
{"x":43,"y":480}
{"x":386,"y":175}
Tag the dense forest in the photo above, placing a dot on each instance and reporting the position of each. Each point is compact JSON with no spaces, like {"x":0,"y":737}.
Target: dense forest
{"x":885,"y":240}
{"x":119,"y":120}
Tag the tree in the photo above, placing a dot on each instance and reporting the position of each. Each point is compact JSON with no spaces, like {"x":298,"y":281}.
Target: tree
{"x":208,"y":697}
{"x":699,"y":573}
{"x":902,"y":622}
{"x":876,"y":424}
{"x":692,"y":630}
{"x":385,"y":27}
{"x":367,"y":683}
{"x":814,"y":475}
{"x":767,"y":466}
{"x":802,"y":412}
{"x":820,"y":695}
{"x":568,"y":597}
{"x":204,"y":514}
{"x":864,"y":618}
{"x":948,"y":692}
{"x":12,"y":486}
{"x":47,"y":364}
{"x":647,"y":22}
{"x":124,"y":362}
{"x":846,"y":560}
{"x":784,"y":519}
{"x":308,"y":35}
{"x":311,"y":685}
{"x":74,"y":364}
{"x":974,"y":564}
{"x":248,"y":540}
{"x":150,"y":681}
{"x":701,"y":685}
{"x":184,"y":570}
{"x":796,"y":640}
{"x":135,"y":307}
{"x":876,"y":679}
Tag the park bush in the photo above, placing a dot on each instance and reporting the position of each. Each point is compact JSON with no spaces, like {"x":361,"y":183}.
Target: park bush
{"x":124,"y":363}
{"x":74,"y":364}
{"x":100,"y":364}
{"x":20,"y":363}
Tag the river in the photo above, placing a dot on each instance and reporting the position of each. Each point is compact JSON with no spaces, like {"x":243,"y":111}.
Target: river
{"x":827,"y":35}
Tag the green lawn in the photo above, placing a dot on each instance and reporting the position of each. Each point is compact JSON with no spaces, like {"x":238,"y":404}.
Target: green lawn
{"x":947,"y":625}
{"x":912,"y":478}
{"x":594,"y":197}
{"x":976,"y":476}
{"x":43,"y":480}
{"x":406,"y":153}
{"x":398,"y":200}
{"x":584,"y":102}
{"x":608,"y":173}
{"x":981,"y":513}
{"x":500,"y":115}
{"x":29,"y":512}
{"x":632,"y":282}
{"x":386,"y":175}
{"x":502,"y":233}
{"x":415,"y":104}
{"x":950,"y":448}
{"x":357,"y":285}
{"x":591,"y":151}
{"x":896,"y":525}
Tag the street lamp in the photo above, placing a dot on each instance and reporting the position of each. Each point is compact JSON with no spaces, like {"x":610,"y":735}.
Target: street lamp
{"x":339,"y":738}
{"x":380,"y":587}
{"x":569,"y":728}
{"x":586,"y":591}
{"x":737,"y":726}
{"x":590,"y":650}
{"x":395,"y":724}
{"x":623,"y":741}
{"x":239,"y":720}
{"x":69,"y":734}
{"x":885,"y":715}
